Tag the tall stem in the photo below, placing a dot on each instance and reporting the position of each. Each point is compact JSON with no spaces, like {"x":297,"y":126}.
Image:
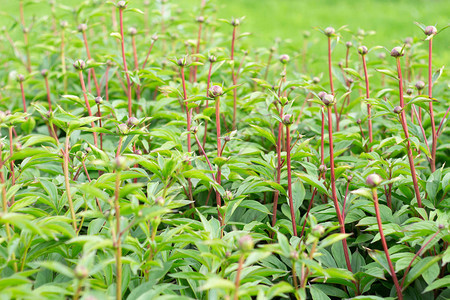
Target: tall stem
{"x":430,"y":104}
{"x":125,"y":67}
{"x":279,"y":164}
{"x":238,"y":276}
{"x":199,"y":37}
{"x":405,"y":130}
{"x":207,"y":101}
{"x":11,"y":152}
{"x":63,"y":60}
{"x":369,"y":114}
{"x":288,"y":159}
{"x":219,"y":147}
{"x":330,"y":74}
{"x":118,"y":242}
{"x":66,"y":177}
{"x":88,"y":106}
{"x":92,"y":71}
{"x":333,"y":188}
{"x":234,"y":78}
{"x":24,"y":103}
{"x":385,"y":247}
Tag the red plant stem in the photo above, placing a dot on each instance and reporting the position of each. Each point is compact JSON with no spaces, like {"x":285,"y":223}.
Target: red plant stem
{"x":99,"y":114}
{"x":23,"y":97}
{"x":219,"y":147}
{"x":207,"y":101}
{"x":333,"y":188}
{"x":48,"y":94}
{"x":92,"y":71}
{"x":125,"y":67}
{"x":148,"y":55}
{"x":204,"y":154}
{"x":66,"y":176}
{"x":430,"y":104}
{"x":119,"y":148}
{"x":322,"y":139}
{"x":345,"y":199}
{"x":234,"y":78}
{"x":198,"y":49}
{"x":408,"y":142}
{"x":136,"y":66}
{"x":288,"y":158}
{"x":88,"y":106}
{"x":238,"y":276}
{"x":11,"y":151}
{"x":307,"y":212}
{"x":421,"y":126}
{"x":369,"y":114}
{"x":330,"y":73}
{"x":385,"y":247}
{"x":416,"y":255}
{"x":279,"y":164}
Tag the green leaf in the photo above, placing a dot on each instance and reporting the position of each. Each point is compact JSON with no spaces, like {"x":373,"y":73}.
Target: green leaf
{"x":440,"y":283}
{"x":420,"y":268}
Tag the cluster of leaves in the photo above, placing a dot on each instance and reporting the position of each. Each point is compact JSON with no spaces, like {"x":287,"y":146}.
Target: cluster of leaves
{"x":133,"y":213}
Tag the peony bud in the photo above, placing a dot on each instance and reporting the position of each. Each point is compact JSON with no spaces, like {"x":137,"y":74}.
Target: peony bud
{"x":397,"y":52}
{"x":82,"y":27}
{"x":44,"y":73}
{"x":123,"y":128}
{"x":212,"y":58}
{"x":121,"y":4}
{"x":316,"y":80}
{"x":373,"y":180}
{"x":246,"y":243}
{"x":430,"y":30}
{"x":328,"y":99}
{"x":329,"y":31}
{"x":363,"y":50}
{"x":420,"y":85}
{"x":284,"y":59}
{"x":98,"y":100}
{"x":79,"y":64}
{"x":398,"y":109}
{"x":200,"y":19}
{"x":215,"y":91}
{"x":132,"y":31}
{"x":348,"y":44}
{"x":132,"y":121}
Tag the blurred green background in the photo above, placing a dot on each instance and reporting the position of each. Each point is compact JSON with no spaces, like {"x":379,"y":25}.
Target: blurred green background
{"x":392,"y":20}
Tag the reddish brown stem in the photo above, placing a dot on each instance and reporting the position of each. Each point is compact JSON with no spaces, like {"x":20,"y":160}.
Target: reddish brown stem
{"x":207,"y":101}
{"x":330,"y":74}
{"x":148,"y":55}
{"x":92,"y":71}
{"x":279,"y":164}
{"x":288,"y":158}
{"x":369,"y":114}
{"x":88,"y":106}
{"x":430,"y":104}
{"x":197,"y":50}
{"x":125,"y":67}
{"x":234,"y":78}
{"x":24,"y":103}
{"x":385,"y":247}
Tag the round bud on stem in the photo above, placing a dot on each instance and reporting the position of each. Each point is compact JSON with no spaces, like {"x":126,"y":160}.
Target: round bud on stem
{"x":321,"y":95}
{"x":397,"y":52}
{"x":373,"y":180}
{"x":160,"y":201}
{"x":420,"y":85}
{"x":273,"y":49}
{"x":322,"y":169}
{"x":98,"y":100}
{"x":82,"y":27}
{"x":194,"y":129}
{"x":398,"y":109}
{"x":409,"y":41}
{"x":215,"y":91}
{"x":120,"y":163}
{"x":121,"y":4}
{"x":318,"y":230}
{"x":63,"y":24}
{"x":228,"y":196}
{"x":181,"y":62}
{"x":316,"y":80}
{"x":44,"y":72}
{"x":132,"y":31}
{"x":154,"y":37}
{"x":287,"y":119}
{"x":235,"y":22}
{"x":79,"y":64}
{"x":358,"y":121}
{"x":328,"y":100}
{"x":212,"y":59}
{"x":138,"y":152}
{"x":246,"y":243}
{"x":284,"y":59}
{"x":306,"y":34}
{"x":227,"y":138}
{"x":430,"y":30}
{"x":200,"y":19}
{"x":20,"y":78}
{"x":363,"y":50}
{"x":132,"y":121}
{"x":329,"y":31}
{"x":409,"y":92}
{"x":123,"y":128}
{"x":294,"y":255}
{"x":81,"y":272}
{"x":348,"y":44}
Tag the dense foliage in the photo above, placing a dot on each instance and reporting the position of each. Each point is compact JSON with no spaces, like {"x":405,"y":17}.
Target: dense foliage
{"x":145,"y":153}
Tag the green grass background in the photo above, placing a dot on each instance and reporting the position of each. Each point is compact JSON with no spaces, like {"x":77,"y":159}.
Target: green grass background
{"x":288,"y":19}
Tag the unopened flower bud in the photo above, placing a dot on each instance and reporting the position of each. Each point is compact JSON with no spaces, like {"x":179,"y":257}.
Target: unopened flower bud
{"x":132,"y":31}
{"x":322,"y":169}
{"x":373,"y":180}
{"x":348,"y":44}
{"x":212,"y":59}
{"x":273,"y":49}
{"x":294,"y":255}
{"x":420,"y":85}
{"x":123,"y":128}
{"x":398,"y":109}
{"x":228,"y":196}
{"x":316,"y":80}
{"x":63,"y":24}
{"x":246,"y":243}
{"x":44,"y":73}
{"x":215,"y":91}
{"x":409,"y":41}
{"x":160,"y":201}
{"x":235,"y":22}
{"x":20,"y":78}
{"x":81,"y":272}
{"x":287,"y":119}
{"x":321,"y":95}
{"x":194,"y":129}
{"x":397,"y":52}
{"x":120,"y":163}
{"x":409,"y":92}
{"x":328,"y":99}
{"x":358,"y":121}
{"x":138,"y":152}
{"x":79,"y":64}
{"x":318,"y":230}
{"x":154,"y":37}
{"x":98,"y":100}
{"x":441,"y":226}
{"x":430,"y":30}
{"x":363,"y":50}
{"x":121,"y":4}
{"x":284,"y":59}
{"x":306,"y":34}
{"x":329,"y":31}
{"x":200,"y":19}
{"x":82,"y":27}
{"x":181,"y":62}
{"x":227,"y":138}
{"x":132,"y":121}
